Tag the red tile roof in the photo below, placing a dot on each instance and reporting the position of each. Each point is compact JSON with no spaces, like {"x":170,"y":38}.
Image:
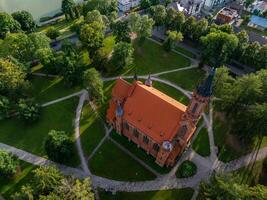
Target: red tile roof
{"x":149,"y":110}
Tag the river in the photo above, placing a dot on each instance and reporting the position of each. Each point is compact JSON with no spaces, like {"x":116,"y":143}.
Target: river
{"x":38,"y":8}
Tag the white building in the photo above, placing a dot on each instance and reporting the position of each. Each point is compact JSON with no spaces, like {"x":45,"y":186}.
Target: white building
{"x":213,"y":3}
{"x":189,"y":7}
{"x":258,"y":7}
{"x":126,"y":5}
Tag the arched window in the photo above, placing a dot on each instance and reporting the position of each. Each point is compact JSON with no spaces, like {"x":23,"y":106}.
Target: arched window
{"x":145,"y":140}
{"x":156,"y":147}
{"x":195,"y":108}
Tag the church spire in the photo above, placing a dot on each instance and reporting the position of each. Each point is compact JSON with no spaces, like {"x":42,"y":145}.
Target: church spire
{"x":148,"y":81}
{"x":205,"y":89}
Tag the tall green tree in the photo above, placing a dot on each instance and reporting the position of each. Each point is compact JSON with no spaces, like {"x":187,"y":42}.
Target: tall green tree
{"x":8,"y":25}
{"x":29,"y":111}
{"x":144,"y":4}
{"x":105,"y":7}
{"x":122,"y":31}
{"x":94,"y":16}
{"x":145,"y":29}
{"x":250,"y":54}
{"x":122,"y":55}
{"x":218,"y":47}
{"x":228,"y":187}
{"x":12,"y":78}
{"x":242,"y":45}
{"x":93,"y":83}
{"x":173,"y":37}
{"x":25,"y":19}
{"x":92,"y":36}
{"x":68,"y":8}
{"x":158,"y":14}
{"x":53,"y":33}
{"x":189,"y":27}
{"x":201,"y":29}
{"x":8,"y":164}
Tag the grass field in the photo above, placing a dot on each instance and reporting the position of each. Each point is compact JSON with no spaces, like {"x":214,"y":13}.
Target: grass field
{"x":111,"y":162}
{"x":185,"y":52}
{"x":31,"y":138}
{"x":152,"y":58}
{"x":201,"y":144}
{"x":91,"y":129}
{"x":10,"y":186}
{"x":188,"y":79}
{"x":47,"y":89}
{"x":176,"y":194}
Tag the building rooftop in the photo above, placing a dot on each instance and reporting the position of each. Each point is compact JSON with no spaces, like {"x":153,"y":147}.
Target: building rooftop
{"x":149,"y":110}
{"x":259,"y":21}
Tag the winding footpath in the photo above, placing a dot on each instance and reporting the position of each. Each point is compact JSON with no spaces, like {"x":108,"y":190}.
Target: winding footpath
{"x":205,"y":165}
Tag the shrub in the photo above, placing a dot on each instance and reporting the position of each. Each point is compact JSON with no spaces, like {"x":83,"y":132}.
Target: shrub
{"x":28,"y":111}
{"x":4,"y":107}
{"x":58,"y":146}
{"x":8,"y":164}
{"x":186,"y":169}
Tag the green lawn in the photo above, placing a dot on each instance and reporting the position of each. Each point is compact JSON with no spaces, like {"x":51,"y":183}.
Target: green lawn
{"x":188,"y":79}
{"x":185,"y":52}
{"x":47,"y":89}
{"x":10,"y":186}
{"x":31,"y":138}
{"x":176,"y":194}
{"x":152,"y":58}
{"x":91,"y":129}
{"x":111,"y":162}
{"x":201,"y":144}
{"x":138,"y":152}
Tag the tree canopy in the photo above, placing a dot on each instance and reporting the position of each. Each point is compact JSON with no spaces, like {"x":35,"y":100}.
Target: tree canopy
{"x":25,"y":20}
{"x":8,"y":24}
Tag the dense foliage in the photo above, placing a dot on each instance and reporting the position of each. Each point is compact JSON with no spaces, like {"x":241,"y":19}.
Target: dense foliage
{"x":228,"y":187}
{"x":58,"y":146}
{"x":25,"y":20}
{"x":29,"y":111}
{"x":8,"y":164}
{"x":8,"y":25}
{"x":186,"y":169}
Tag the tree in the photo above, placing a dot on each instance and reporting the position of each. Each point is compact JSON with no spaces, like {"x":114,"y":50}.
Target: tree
{"x":8,"y":164}
{"x":94,"y":16}
{"x":242,"y":44}
{"x":25,"y":19}
{"x":94,"y":84}
{"x":170,"y":18}
{"x":250,"y":54}
{"x":218,"y":47}
{"x":47,"y":58}
{"x":92,"y":36}
{"x":68,"y":8}
{"x":179,"y":21}
{"x":122,"y":31}
{"x":52,"y":33}
{"x":158,"y":14}
{"x":228,"y":187}
{"x":141,"y":25}
{"x":122,"y":55}
{"x":105,"y":7}
{"x":261,"y":58}
{"x":144,"y":4}
{"x":189,"y":27}
{"x":22,"y":46}
{"x":46,"y":179}
{"x":8,"y":24}
{"x":12,"y":78}
{"x":167,"y":2}
{"x":25,"y":193}
{"x":172,"y":38}
{"x":201,"y":29}
{"x":28,"y":111}
{"x":58,"y":146}
{"x":5,"y":107}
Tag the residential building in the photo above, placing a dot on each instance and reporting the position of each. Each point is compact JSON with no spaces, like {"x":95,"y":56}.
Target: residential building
{"x":126,"y":5}
{"x":226,"y":16}
{"x":209,"y":4}
{"x":258,"y":22}
{"x":258,"y":7}
{"x":157,"y":123}
{"x":189,"y":7}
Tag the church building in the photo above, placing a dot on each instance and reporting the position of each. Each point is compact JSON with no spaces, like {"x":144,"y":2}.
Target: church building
{"x":155,"y":122}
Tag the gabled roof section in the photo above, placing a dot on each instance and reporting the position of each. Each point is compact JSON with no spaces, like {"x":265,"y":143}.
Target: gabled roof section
{"x":121,"y":89}
{"x":153,"y":113}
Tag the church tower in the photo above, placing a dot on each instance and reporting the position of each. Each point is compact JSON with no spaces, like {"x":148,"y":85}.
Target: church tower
{"x":200,"y":100}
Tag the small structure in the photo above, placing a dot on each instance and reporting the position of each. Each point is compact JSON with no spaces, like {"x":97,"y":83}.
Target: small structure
{"x":157,"y":123}
{"x":126,"y":5}
{"x":226,"y":16}
{"x":189,"y":7}
{"x":258,"y":22}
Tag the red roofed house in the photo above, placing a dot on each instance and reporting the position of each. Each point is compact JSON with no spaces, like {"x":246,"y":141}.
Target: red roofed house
{"x":159,"y":124}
